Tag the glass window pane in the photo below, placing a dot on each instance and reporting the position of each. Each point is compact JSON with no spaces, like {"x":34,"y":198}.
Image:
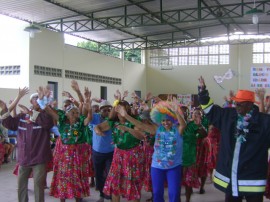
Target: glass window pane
{"x":183,"y":60}
{"x":258,"y":47}
{"x":173,"y":51}
{"x":174,"y":61}
{"x":193,"y":51}
{"x":163,"y":52}
{"x":193,"y":60}
{"x":213,"y":49}
{"x":154,"y":53}
{"x":203,"y":50}
{"x":203,"y":60}
{"x":224,"y":49}
{"x":224,"y":59}
{"x":267,"y":58}
{"x":213,"y":59}
{"x":267,"y":47}
{"x":163,"y":61}
{"x":154,"y":62}
{"x":183,"y":51}
{"x":257,"y":58}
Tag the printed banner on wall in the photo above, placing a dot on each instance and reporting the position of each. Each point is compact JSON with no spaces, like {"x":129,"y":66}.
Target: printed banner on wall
{"x":184,"y":99}
{"x":260,"y":77}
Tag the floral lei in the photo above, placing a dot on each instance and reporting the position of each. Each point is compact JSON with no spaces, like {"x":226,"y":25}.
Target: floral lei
{"x":242,"y":126}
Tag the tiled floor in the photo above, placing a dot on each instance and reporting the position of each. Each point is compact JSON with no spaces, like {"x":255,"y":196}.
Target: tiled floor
{"x":8,"y":192}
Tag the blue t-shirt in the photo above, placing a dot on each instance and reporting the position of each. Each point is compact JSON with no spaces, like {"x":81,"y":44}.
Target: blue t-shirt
{"x":168,"y":148}
{"x":102,"y":144}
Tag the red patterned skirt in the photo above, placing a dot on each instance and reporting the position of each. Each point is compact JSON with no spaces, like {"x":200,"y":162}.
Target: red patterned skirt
{"x":126,"y":174}
{"x":2,"y":153}
{"x":190,"y":177}
{"x":148,"y":152}
{"x":204,"y":157}
{"x":71,"y":171}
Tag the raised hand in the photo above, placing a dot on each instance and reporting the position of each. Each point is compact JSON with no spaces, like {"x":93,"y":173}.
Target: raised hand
{"x":232,"y":94}
{"x":40,"y":92}
{"x":117,"y":95}
{"x":260,"y":93}
{"x":66,"y":94}
{"x":174,"y":104}
{"x":3,"y":105}
{"x":23,"y":92}
{"x":125,"y":94}
{"x":47,"y":91}
{"x":121,"y":110}
{"x":201,"y":82}
{"x":149,"y":96}
{"x":87,"y":93}
{"x":75,"y":85}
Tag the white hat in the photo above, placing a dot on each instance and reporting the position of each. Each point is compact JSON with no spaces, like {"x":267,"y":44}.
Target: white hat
{"x":104,"y":103}
{"x":33,"y":95}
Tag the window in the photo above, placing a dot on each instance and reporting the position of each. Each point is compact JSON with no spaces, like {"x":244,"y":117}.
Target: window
{"x":10,"y":70}
{"x":261,"y":53}
{"x":203,"y":55}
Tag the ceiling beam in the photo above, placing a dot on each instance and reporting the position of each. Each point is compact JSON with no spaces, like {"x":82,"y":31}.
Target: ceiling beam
{"x":172,"y":17}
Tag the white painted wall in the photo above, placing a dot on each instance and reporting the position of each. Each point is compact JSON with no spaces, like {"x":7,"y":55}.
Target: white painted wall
{"x":14,"y":51}
{"x":48,"y":49}
{"x":184,"y":79}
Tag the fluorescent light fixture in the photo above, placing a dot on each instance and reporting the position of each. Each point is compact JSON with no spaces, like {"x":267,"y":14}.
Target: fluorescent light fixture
{"x":32,"y":29}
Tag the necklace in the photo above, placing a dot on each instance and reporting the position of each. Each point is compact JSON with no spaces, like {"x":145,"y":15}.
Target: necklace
{"x":242,"y":126}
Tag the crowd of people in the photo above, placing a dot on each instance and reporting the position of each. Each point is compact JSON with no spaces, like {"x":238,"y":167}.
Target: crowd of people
{"x":148,"y":144}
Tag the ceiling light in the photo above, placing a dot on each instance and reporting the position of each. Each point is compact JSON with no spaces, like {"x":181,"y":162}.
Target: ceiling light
{"x":255,"y":12}
{"x":32,"y":29}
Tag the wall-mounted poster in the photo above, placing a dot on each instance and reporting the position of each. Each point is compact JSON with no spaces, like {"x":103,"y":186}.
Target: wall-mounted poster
{"x":260,"y":77}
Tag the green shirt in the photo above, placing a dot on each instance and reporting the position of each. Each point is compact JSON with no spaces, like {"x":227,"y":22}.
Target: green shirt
{"x":72,"y":134}
{"x":123,"y":140}
{"x":190,"y":136}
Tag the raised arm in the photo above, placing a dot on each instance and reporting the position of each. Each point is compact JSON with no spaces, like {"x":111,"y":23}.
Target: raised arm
{"x":179,"y":114}
{"x":260,"y":93}
{"x":76,"y":88}
{"x":136,"y":133}
{"x":22,"y":92}
{"x":150,"y":128}
{"x":87,"y":106}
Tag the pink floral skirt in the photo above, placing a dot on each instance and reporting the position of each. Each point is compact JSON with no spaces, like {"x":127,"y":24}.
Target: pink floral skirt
{"x":2,"y":153}
{"x":147,"y":182}
{"x":190,"y":177}
{"x":126,"y":174}
{"x":71,"y":171}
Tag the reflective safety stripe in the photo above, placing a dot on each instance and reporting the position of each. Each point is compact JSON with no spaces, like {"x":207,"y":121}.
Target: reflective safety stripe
{"x":220,"y":182}
{"x":251,"y":188}
{"x":205,"y":107}
{"x":252,"y":182}
{"x":222,"y":177}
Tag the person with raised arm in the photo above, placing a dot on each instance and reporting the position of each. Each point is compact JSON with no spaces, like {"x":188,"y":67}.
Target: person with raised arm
{"x":71,"y":167}
{"x":241,"y":169}
{"x":168,"y":147}
{"x":33,"y":142}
